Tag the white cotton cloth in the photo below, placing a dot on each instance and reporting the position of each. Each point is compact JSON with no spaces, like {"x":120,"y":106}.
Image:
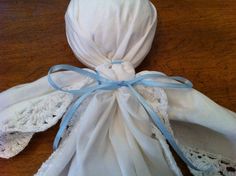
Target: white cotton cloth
{"x":111,"y":134}
{"x":33,"y":107}
{"x":101,"y":31}
{"x":202,"y":123}
{"x":114,"y":136}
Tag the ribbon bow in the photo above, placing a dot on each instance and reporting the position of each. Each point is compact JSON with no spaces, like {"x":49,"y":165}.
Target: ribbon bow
{"x":106,"y":84}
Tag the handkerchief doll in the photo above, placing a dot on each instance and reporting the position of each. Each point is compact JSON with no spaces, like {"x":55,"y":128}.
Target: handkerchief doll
{"x":115,"y":121}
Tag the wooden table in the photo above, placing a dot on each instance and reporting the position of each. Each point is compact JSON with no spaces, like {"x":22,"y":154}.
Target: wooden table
{"x":195,"y":39}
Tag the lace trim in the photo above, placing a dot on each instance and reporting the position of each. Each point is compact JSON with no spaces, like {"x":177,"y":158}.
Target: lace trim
{"x":20,"y":121}
{"x":37,"y":115}
{"x":220,"y":166}
{"x":12,"y":143}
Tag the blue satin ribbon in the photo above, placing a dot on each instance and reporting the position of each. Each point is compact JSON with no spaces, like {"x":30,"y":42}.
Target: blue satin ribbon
{"x":106,"y":84}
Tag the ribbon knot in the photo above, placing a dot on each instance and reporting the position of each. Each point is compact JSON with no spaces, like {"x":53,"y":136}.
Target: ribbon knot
{"x":149,"y":80}
{"x":122,"y":84}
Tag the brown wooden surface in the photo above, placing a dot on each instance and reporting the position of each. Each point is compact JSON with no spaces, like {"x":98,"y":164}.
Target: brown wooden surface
{"x":195,"y":39}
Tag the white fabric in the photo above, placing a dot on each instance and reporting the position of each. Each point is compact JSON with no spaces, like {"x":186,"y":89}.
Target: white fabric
{"x":99,"y":31}
{"x":31,"y":108}
{"x":112,"y":139}
{"x":113,"y":124}
{"x":111,"y":134}
{"x":213,"y":126}
{"x":108,"y":117}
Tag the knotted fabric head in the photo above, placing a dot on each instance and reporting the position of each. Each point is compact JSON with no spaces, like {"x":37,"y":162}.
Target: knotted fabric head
{"x":101,"y":31}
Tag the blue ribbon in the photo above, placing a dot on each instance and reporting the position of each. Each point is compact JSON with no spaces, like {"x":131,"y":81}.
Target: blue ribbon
{"x":106,"y":84}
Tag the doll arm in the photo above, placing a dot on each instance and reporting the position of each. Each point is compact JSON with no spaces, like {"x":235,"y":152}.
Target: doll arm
{"x":33,"y":107}
{"x":37,"y":88}
{"x":189,"y":105}
{"x":194,"y":107}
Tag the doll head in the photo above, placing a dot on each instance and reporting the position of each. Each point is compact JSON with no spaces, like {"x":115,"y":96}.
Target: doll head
{"x":101,"y":31}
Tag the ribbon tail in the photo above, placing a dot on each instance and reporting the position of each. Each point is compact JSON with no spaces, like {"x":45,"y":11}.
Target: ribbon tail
{"x":68,"y":116}
{"x":157,"y":121}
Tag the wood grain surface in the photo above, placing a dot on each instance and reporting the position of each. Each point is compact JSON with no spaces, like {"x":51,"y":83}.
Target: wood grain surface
{"x":194,"y":39}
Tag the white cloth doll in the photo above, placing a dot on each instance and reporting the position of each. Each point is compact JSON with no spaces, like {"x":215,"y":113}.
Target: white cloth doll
{"x":111,"y":131}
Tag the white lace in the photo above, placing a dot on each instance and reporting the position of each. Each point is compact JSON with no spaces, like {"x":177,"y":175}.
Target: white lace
{"x":34,"y":115}
{"x":12,"y":143}
{"x":39,"y":114}
{"x":220,"y":166}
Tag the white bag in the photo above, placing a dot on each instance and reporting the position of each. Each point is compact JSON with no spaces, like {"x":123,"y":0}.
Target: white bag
{"x":111,"y":133}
